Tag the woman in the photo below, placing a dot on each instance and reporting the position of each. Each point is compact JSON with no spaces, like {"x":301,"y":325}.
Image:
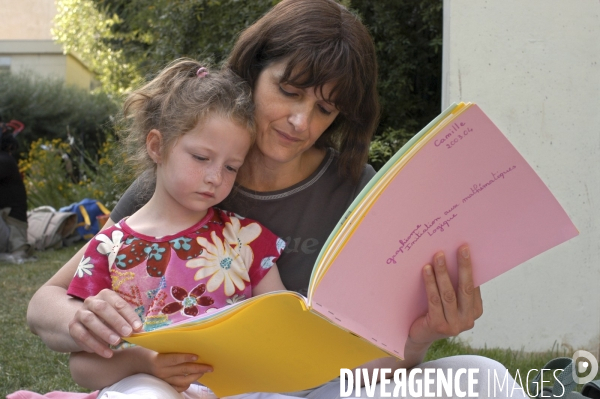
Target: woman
{"x":312,"y":68}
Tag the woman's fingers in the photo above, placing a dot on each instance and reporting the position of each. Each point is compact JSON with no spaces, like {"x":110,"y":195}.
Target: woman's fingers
{"x":466,"y":288}
{"x":451,"y":311}
{"x":447,"y":294}
{"x":442,"y":311}
{"x":101,"y":321}
{"x":435,"y":310}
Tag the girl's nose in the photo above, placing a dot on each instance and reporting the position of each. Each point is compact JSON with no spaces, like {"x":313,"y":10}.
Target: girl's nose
{"x":213,"y":176}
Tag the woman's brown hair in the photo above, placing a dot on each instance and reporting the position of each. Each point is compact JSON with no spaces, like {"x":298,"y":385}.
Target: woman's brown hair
{"x":322,"y":42}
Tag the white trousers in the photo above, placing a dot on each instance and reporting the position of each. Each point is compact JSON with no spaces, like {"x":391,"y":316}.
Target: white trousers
{"x":493,"y":381}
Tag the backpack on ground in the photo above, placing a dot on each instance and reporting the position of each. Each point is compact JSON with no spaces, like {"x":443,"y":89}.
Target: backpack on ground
{"x":47,"y":228}
{"x":87,"y":211}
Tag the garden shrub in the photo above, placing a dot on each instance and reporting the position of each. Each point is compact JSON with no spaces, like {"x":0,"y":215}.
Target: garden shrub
{"x":52,"y":110}
{"x":58,"y":174}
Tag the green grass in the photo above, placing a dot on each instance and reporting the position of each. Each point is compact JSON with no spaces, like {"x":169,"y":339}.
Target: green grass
{"x":25,"y":362}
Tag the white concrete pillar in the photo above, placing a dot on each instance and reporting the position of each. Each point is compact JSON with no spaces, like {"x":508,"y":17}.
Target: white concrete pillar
{"x":534,"y":67}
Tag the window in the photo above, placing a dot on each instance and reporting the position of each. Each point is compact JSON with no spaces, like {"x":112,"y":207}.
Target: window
{"x":4,"y":64}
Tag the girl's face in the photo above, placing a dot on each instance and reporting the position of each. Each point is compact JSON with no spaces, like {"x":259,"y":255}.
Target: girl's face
{"x":200,"y":168}
{"x":288,"y":120}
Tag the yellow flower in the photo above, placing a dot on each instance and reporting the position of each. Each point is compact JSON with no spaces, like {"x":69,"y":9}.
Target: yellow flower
{"x":220,"y":261}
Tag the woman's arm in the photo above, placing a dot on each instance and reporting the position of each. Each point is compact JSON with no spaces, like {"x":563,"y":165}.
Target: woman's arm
{"x":70,"y":325}
{"x":94,"y":372}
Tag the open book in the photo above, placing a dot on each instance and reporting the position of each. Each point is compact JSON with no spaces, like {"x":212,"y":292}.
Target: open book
{"x":457,"y":181}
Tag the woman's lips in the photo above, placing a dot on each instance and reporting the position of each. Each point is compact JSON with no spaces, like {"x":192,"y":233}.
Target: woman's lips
{"x":287,"y":137}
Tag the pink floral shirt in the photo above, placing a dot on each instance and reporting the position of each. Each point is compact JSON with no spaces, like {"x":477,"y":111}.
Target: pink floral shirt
{"x":169,"y":279}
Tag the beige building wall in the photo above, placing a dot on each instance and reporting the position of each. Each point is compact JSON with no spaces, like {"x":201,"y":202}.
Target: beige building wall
{"x":26,"y":43}
{"x":26,"y":19}
{"x":77,"y":74}
{"x":534,"y":67}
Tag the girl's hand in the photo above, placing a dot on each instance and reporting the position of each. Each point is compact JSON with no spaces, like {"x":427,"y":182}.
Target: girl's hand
{"x":101,"y":321}
{"x":177,"y":369}
{"x":450,"y":312}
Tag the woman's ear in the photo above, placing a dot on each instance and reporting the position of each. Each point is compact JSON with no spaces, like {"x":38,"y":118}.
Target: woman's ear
{"x":154,"y":145}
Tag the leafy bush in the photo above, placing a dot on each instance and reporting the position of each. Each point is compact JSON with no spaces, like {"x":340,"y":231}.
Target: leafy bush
{"x":51,"y":110}
{"x":58,"y":174}
{"x":385,"y":145}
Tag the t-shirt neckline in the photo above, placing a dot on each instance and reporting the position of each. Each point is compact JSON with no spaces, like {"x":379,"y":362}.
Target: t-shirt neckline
{"x":126,"y":228}
{"x":302,"y":185}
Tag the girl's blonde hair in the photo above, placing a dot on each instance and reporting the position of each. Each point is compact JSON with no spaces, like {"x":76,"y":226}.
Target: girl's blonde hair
{"x":175,"y":101}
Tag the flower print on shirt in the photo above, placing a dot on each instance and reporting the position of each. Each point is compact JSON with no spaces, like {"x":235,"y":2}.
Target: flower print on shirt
{"x":110,"y":246}
{"x":267,"y":262}
{"x":188,"y":303}
{"x":235,"y":299}
{"x":240,"y":237}
{"x":280,"y":245}
{"x":220,"y":261}
{"x":84,"y":267}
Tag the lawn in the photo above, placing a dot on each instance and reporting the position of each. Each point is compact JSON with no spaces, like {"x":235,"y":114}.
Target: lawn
{"x":25,"y":363}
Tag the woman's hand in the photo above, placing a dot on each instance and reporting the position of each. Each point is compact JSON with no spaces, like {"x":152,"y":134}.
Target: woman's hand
{"x":450,"y":312}
{"x":177,"y":369}
{"x":101,"y":321}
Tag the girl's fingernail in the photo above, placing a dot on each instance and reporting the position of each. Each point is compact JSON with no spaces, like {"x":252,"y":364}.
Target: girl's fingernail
{"x":137,"y":325}
{"x":465,"y":252}
{"x":428,"y":270}
{"x":126,"y":330}
{"x":114,"y":339}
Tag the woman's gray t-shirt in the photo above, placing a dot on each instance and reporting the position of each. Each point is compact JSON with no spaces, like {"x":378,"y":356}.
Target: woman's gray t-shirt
{"x":303,"y":215}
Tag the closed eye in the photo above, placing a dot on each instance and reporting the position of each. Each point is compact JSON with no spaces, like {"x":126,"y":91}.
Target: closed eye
{"x":231,"y":169}
{"x":200,"y":158}
{"x":324,"y":110}
{"x":286,"y":93}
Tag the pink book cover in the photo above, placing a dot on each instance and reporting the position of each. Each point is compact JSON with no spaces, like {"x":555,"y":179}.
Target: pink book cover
{"x":468,"y":184}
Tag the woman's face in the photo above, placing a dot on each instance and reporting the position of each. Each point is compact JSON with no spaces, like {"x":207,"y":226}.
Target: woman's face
{"x":288,"y":119}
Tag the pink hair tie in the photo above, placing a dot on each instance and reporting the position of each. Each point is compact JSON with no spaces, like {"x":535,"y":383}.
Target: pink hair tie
{"x":201,"y":72}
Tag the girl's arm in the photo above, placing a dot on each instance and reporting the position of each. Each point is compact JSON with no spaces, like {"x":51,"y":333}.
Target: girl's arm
{"x":70,"y":325}
{"x":94,"y":372}
{"x":270,"y":282}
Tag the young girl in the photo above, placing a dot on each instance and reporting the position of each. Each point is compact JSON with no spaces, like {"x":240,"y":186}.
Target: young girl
{"x":178,"y":256}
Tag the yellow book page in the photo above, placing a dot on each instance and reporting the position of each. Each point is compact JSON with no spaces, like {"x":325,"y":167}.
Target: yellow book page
{"x":361,"y":210}
{"x":275,"y":345}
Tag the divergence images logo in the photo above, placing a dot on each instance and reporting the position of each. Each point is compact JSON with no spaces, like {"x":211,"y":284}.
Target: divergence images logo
{"x":589,"y":364}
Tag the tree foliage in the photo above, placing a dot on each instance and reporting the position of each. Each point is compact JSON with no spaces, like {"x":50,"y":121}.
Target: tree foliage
{"x":130,"y":40}
{"x":408,"y":40}
{"x":86,"y":31}
{"x":126,"y":41}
